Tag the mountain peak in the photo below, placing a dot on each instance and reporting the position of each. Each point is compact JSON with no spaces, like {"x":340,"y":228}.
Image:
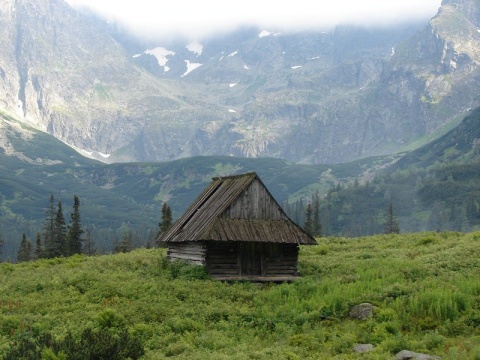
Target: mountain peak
{"x":471,"y":8}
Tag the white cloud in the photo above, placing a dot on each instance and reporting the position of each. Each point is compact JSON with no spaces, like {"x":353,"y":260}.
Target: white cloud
{"x":197,"y":19}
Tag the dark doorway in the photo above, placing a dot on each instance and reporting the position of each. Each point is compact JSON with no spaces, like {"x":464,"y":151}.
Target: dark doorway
{"x":251,"y":255}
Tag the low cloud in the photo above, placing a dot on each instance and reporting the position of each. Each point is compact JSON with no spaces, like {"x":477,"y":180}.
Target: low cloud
{"x":197,"y":19}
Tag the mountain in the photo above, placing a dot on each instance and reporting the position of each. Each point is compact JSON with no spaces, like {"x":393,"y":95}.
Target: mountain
{"x":313,"y":97}
{"x":432,"y":188}
{"x":439,"y":178}
{"x":117,"y":197}
{"x":62,"y":74}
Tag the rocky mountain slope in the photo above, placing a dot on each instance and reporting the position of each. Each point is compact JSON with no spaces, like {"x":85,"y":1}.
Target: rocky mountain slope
{"x":323,"y":97}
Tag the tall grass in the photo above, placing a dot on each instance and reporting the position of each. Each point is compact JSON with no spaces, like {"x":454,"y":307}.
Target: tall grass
{"x":426,"y":294}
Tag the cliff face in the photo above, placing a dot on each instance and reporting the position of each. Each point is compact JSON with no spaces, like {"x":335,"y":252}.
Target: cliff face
{"x":62,"y":73}
{"x":312,"y":97}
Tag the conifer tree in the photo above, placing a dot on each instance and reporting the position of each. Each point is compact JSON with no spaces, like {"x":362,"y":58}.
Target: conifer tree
{"x":391,"y":224}
{"x":89,"y":245}
{"x":74,"y":237}
{"x":60,"y":233}
{"x":316,"y":225}
{"x":308,"y":219}
{"x":166,"y":222}
{"x":1,"y":247}
{"x":49,"y":229}
{"x":166,"y":218}
{"x":25,"y":251}
{"x":126,"y":245}
{"x":39,"y":251}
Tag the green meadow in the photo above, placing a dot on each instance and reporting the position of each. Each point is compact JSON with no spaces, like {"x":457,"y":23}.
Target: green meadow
{"x":425,"y":286}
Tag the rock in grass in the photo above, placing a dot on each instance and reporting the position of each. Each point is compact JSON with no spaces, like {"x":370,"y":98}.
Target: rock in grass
{"x":361,"y":348}
{"x":362,"y":311}
{"x":407,"y":355}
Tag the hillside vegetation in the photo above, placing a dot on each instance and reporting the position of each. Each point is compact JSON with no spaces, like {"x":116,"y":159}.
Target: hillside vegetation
{"x":425,"y":287}
{"x":432,"y":188}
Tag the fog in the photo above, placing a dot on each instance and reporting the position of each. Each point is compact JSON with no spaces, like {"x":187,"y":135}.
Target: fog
{"x":198,"y":19}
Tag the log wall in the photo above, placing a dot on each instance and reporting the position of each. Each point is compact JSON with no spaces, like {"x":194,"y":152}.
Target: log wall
{"x":236,"y":260}
{"x":222,"y":259}
{"x":280,"y":260}
{"x":192,"y":252}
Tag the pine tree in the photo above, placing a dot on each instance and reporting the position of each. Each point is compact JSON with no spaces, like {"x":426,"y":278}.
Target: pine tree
{"x":316,"y":225}
{"x":89,"y":245}
{"x":39,"y":251}
{"x":49,"y":229}
{"x":166,"y":222}
{"x":74,"y":237}
{"x":60,"y":233}
{"x":391,"y":224}
{"x":126,"y":245}
{"x":1,"y":247}
{"x":166,"y":218}
{"x":25,"y":251}
{"x":308,"y":219}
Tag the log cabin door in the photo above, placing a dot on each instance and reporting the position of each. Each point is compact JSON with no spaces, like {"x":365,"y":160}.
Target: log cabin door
{"x":251,"y":259}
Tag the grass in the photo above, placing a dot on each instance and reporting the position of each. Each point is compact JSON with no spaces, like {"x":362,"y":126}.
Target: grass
{"x":425,"y":287}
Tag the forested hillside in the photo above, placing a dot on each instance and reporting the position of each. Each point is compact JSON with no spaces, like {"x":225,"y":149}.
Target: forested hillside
{"x":433,"y":188}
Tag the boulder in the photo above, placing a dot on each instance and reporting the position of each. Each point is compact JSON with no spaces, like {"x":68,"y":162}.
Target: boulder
{"x":410,"y":355}
{"x":361,"y":348}
{"x":362,"y":311}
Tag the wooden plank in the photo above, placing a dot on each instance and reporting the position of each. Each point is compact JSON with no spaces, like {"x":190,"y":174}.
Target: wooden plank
{"x":187,"y":257}
{"x":222,"y":266}
{"x":223,"y":273}
{"x":280,"y":266}
{"x":187,"y":251}
{"x":292,"y":260}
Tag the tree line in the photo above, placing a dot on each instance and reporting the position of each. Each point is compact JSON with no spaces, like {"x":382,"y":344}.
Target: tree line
{"x":61,"y":239}
{"x":57,"y":238}
{"x":318,"y":215}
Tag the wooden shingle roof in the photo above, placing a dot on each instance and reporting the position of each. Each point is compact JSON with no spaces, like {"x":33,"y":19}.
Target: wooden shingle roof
{"x":205,"y":219}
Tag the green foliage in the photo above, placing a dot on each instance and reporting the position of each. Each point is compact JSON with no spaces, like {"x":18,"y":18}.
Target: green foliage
{"x":179,"y":269}
{"x":74,"y":236}
{"x":25,"y":250}
{"x":426,"y":297}
{"x":91,"y":345}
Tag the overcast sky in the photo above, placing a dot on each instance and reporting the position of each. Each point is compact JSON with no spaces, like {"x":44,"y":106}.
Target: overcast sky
{"x":195,"y":19}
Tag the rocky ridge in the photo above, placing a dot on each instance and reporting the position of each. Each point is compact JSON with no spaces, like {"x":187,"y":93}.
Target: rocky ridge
{"x":323,"y":97}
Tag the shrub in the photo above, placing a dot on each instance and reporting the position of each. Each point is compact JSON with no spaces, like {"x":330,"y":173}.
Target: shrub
{"x":179,"y":269}
{"x":91,"y":345}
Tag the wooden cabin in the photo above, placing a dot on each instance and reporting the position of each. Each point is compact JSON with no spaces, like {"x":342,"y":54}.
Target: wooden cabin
{"x":237,"y":230}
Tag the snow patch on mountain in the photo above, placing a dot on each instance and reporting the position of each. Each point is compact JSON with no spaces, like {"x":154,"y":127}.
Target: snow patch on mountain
{"x":232,"y":54}
{"x":246,"y":67}
{"x":161,"y":55}
{"x":195,"y":47}
{"x":233,"y":84}
{"x":296,"y":67}
{"x":264,"y":33}
{"x":190,"y":67}
{"x":20,"y":111}
{"x":231,"y":111}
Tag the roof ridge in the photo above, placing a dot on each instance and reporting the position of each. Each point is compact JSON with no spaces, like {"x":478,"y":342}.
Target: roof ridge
{"x":252,"y":173}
